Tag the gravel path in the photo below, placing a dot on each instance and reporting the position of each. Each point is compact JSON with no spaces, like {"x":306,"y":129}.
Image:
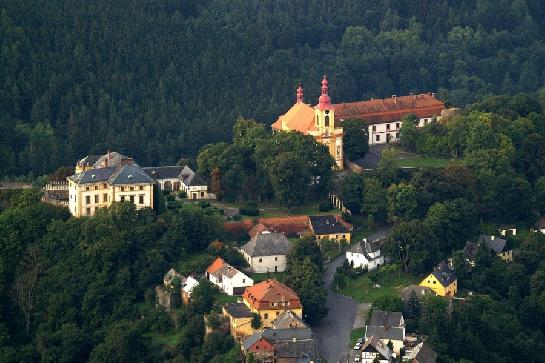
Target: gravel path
{"x":333,"y":332}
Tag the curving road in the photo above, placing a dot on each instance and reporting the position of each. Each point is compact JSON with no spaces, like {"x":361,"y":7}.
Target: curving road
{"x":333,"y":332}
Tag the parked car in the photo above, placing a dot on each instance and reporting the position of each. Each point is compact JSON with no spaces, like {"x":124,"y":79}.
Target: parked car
{"x":357,"y":346}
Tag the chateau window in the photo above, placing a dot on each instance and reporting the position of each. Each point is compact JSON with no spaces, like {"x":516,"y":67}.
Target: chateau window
{"x":374,"y":129}
{"x":202,"y":194}
{"x":122,"y":189}
{"x":378,"y":138}
{"x":96,"y":198}
{"x":260,"y":260}
{"x":141,"y":199}
{"x":104,"y":197}
{"x":277,"y":313}
{"x":104,"y":186}
{"x":96,"y":187}
{"x":141,"y":187}
{"x":87,"y":199}
{"x":317,"y":120}
{"x":132,"y":188}
{"x":327,"y":121}
{"x":132,"y":198}
{"x":88,"y":210}
{"x":86,"y":188}
{"x":122,"y":198}
{"x":387,"y":127}
{"x":276,"y":258}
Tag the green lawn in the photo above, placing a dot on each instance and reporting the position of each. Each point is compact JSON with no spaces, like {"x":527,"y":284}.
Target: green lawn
{"x":391,"y":284}
{"x":222,"y":298}
{"x":171,"y":340}
{"x":355,"y":335}
{"x":279,"y":276}
{"x":421,"y":162}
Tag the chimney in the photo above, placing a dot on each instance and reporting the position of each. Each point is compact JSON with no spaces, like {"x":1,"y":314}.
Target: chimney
{"x":294,"y":339}
{"x":395,"y":98}
{"x":492,"y":238}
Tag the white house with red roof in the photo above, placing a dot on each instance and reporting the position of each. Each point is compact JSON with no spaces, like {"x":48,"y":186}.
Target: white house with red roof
{"x":227,"y":278}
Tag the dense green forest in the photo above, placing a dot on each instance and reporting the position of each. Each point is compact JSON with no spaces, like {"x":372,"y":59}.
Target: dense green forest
{"x":158,"y":79}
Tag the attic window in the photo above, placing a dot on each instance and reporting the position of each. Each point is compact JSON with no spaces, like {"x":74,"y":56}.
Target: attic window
{"x":130,"y":176}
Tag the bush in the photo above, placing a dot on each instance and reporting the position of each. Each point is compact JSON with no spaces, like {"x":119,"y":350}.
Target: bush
{"x":166,"y":192}
{"x":325,"y":206}
{"x":204,"y":204}
{"x":346,"y":217}
{"x":237,"y":217}
{"x":251,"y":204}
{"x":182,"y":194}
{"x":249,"y":211}
{"x":170,"y":198}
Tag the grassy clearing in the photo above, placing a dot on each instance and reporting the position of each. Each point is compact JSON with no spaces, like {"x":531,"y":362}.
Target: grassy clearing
{"x":271,"y":210}
{"x":222,"y":298}
{"x":391,"y":284}
{"x":355,"y":335}
{"x":279,"y":276}
{"x":169,"y":340}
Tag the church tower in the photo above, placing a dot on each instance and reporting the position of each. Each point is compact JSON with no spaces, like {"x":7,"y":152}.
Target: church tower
{"x":328,"y":134}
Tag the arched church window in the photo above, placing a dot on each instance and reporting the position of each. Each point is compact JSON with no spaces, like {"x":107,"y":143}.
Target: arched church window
{"x":317,"y":120}
{"x":326,"y":120}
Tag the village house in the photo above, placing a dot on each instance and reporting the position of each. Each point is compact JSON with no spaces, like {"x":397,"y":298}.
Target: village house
{"x":388,"y":327}
{"x":257,"y":229}
{"x":269,"y":299}
{"x":496,"y":244}
{"x":169,"y":294}
{"x":374,"y":350}
{"x":442,"y":280}
{"x":292,"y":345}
{"x":419,"y":292}
{"x":508,"y":230}
{"x":240,"y":319}
{"x":178,"y":178}
{"x":187,"y":290}
{"x":365,"y":255}
{"x":288,"y":319}
{"x":267,"y":251}
{"x":227,"y":278}
{"x":112,"y":177}
{"x":422,"y":353}
{"x":540,"y":225}
{"x":329,"y":227}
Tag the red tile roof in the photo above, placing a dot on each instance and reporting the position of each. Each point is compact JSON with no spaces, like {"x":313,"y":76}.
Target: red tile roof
{"x":216,"y":265}
{"x":262,"y":294}
{"x":390,"y":109}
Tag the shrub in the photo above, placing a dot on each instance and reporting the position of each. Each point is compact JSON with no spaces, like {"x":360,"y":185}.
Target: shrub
{"x":166,"y":192}
{"x":237,"y":217}
{"x":249,"y":211}
{"x":325,"y":206}
{"x":182,"y":194}
{"x":251,"y":204}
{"x":204,"y":204}
{"x":170,"y":198}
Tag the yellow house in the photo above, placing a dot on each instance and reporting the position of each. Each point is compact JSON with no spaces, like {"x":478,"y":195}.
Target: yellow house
{"x":269,"y":299}
{"x":329,"y":227}
{"x":112,"y":178}
{"x":318,"y":121}
{"x":240,"y":319}
{"x":498,"y":245}
{"x":442,"y":280}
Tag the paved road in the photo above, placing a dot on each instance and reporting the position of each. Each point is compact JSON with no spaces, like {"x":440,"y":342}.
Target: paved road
{"x":333,"y":332}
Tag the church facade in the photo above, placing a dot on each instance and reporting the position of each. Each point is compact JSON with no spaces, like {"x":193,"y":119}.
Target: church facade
{"x":318,"y":121}
{"x":382,"y":117}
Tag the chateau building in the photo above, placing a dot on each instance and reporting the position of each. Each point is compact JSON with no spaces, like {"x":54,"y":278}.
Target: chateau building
{"x":101,"y":180}
{"x":382,"y":117}
{"x":179,"y":178}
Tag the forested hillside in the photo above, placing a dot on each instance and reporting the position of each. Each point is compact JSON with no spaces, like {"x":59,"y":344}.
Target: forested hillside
{"x":158,"y":79}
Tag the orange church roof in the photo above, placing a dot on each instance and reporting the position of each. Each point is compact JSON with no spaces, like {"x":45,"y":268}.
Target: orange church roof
{"x":390,"y":109}
{"x":261,"y":295}
{"x":300,"y":117}
{"x":216,"y":265}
